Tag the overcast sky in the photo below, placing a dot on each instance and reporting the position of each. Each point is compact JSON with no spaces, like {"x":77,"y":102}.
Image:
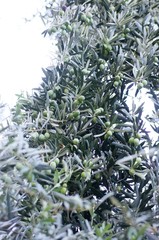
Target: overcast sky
{"x":23,"y":50}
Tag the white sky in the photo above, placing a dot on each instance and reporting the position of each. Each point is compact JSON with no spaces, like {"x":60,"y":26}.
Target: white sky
{"x":23,"y":50}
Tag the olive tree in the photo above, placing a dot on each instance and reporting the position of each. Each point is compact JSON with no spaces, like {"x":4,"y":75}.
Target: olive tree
{"x":83,"y":165}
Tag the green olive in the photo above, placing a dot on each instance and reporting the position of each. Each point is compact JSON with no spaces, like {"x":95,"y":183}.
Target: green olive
{"x":47,"y":135}
{"x":131,"y":171}
{"x":76,"y":102}
{"x":69,"y":27}
{"x":138,"y":135}
{"x":136,"y":141}
{"x":101,"y":61}
{"x":144,"y":82}
{"x":87,"y":20}
{"x":52,"y":30}
{"x":155,"y":59}
{"x":97,"y":176}
{"x":66,"y":91}
{"x":102,"y":67}
{"x":85,"y":162}
{"x":50,"y":93}
{"x":138,"y":161}
{"x":107,"y":124}
{"x":76,"y":113}
{"x":83,"y":17}
{"x":131,"y":140}
{"x":35,"y":135}
{"x":85,"y":71}
{"x":109,"y":133}
{"x":34,"y":114}
{"x":75,"y":141}
{"x":19,"y":166}
{"x":42,"y":137}
{"x":63,"y":27}
{"x":99,"y":111}
{"x":6,"y":178}
{"x":117,"y":78}
{"x":83,"y":175}
{"x":120,"y":74}
{"x":64,"y":33}
{"x":64,"y":185}
{"x":63,"y":190}
{"x":57,"y":161}
{"x":72,"y":71}
{"x":30,"y":176}
{"x":81,"y":99}
{"x":107,"y":47}
{"x":94,"y":119}
{"x":77,"y":118}
{"x":127,"y":30}
{"x":53,"y":165}
{"x":45,"y":113}
{"x":90,"y":164}
{"x":119,"y":188}
{"x":116,"y":84}
{"x":140,"y":85}
{"x":71,"y":116}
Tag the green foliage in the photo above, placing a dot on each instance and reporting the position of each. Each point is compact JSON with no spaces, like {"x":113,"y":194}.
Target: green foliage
{"x":79,"y":162}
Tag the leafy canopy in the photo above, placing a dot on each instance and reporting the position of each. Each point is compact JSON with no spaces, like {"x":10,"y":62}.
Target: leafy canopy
{"x":83,"y":165}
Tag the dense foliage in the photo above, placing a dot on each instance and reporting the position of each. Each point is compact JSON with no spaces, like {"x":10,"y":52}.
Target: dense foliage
{"x":77,"y":161}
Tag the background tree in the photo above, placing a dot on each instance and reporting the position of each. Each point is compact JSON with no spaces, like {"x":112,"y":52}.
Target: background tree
{"x":83,"y":165}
